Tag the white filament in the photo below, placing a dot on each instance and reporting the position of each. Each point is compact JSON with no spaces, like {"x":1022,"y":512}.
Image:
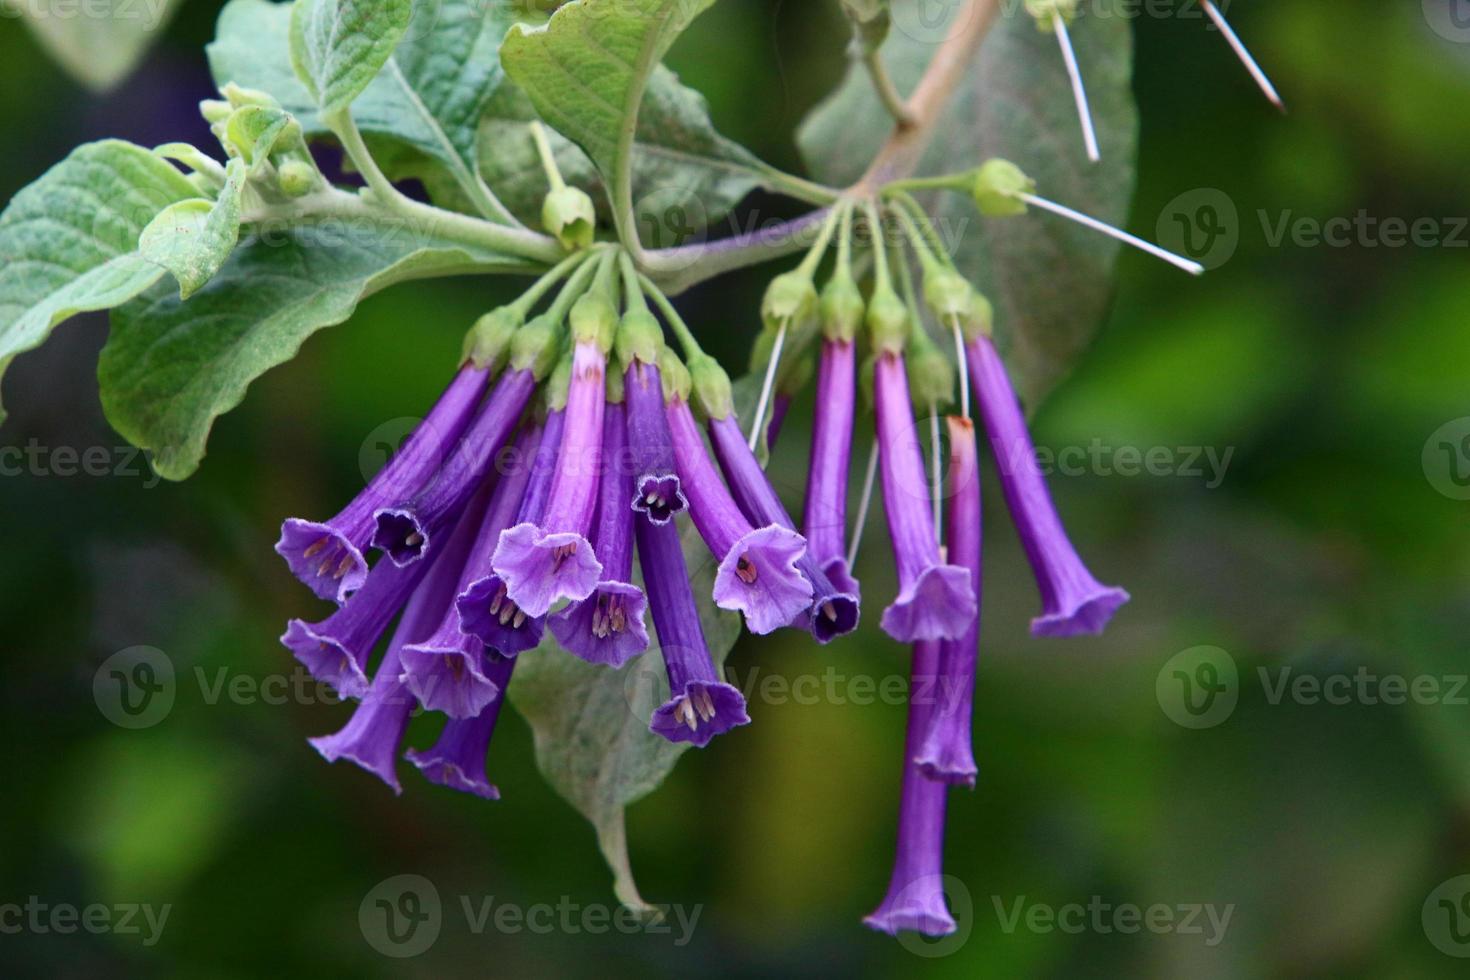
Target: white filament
{"x":1243,"y":53}
{"x":770,"y":383}
{"x":1079,"y":91}
{"x":1193,"y":268}
{"x":867,"y":502}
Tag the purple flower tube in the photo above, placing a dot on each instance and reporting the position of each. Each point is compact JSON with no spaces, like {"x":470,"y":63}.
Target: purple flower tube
{"x":757,"y":575}
{"x":700,"y":705}
{"x":833,"y":612}
{"x":1073,"y":602}
{"x":485,"y":609}
{"x":328,"y":556}
{"x":945,"y":752}
{"x":448,"y":671}
{"x":607,"y":627}
{"x":935,"y":601}
{"x":657,"y":493}
{"x":406,"y":531}
{"x":825,"y":519}
{"x":543,"y":562}
{"x":915,"y":900}
{"x":457,"y":759}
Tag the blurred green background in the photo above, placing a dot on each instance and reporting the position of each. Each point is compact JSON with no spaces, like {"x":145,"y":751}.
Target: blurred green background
{"x":1328,"y":548}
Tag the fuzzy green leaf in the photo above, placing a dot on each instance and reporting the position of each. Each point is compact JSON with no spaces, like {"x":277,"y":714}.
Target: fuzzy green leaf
{"x":1051,"y":282}
{"x":339,"y":46}
{"x":591,"y":723}
{"x":192,"y":239}
{"x":100,"y":44}
{"x":171,"y":368}
{"x":68,"y":242}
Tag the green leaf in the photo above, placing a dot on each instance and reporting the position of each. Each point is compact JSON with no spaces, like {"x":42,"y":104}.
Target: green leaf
{"x":171,"y":368}
{"x":586,"y":71}
{"x":192,"y":239}
{"x":102,"y":42}
{"x":68,"y":242}
{"x":1051,"y":282}
{"x":591,"y":723}
{"x":339,"y":46}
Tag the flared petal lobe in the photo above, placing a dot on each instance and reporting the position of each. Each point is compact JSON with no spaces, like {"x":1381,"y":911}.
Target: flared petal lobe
{"x":457,"y":759}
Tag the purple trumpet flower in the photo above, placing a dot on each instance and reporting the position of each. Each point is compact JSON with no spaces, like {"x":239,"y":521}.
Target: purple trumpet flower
{"x":405,"y":532}
{"x":375,"y":731}
{"x":607,"y":627}
{"x":448,"y":671}
{"x":657,"y":491}
{"x":915,"y":899}
{"x":700,"y":705}
{"x":485,"y":608}
{"x":1073,"y":602}
{"x":945,"y":752}
{"x":935,"y":601}
{"x":545,"y":561}
{"x":328,"y":556}
{"x":758,"y":575}
{"x":780,"y":406}
{"x":833,"y":611}
{"x":825,"y":519}
{"x":457,"y":759}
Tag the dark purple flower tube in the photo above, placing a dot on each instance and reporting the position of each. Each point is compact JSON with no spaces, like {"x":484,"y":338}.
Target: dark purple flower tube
{"x":780,"y":406}
{"x":328,"y":556}
{"x":1073,"y":603}
{"x":757,"y":575}
{"x":656,"y":489}
{"x":375,"y":731}
{"x":915,"y":900}
{"x":405,"y":531}
{"x":485,"y":609}
{"x":833,"y":612}
{"x":825,"y":519}
{"x":448,"y":671}
{"x":700,"y":705}
{"x":935,"y":600}
{"x":545,"y":561}
{"x":457,"y":759}
{"x":945,"y":752}
{"x":607,"y":627}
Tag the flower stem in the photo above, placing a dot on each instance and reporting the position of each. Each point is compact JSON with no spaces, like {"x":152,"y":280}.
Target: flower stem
{"x":548,"y":158}
{"x":887,"y":91}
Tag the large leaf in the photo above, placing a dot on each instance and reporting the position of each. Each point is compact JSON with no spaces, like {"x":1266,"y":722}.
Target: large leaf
{"x":592,"y":738}
{"x":170,"y":368}
{"x":339,"y":46}
{"x":1050,"y":281}
{"x":68,"y":242}
{"x":586,"y":71}
{"x":100,"y":43}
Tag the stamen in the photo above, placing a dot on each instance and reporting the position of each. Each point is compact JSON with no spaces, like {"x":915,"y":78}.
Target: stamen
{"x":316,"y":548}
{"x":867,"y":502}
{"x":1243,"y":53}
{"x":344,"y":567}
{"x":830,"y":611}
{"x":685,"y":713}
{"x":561,"y":554}
{"x":1193,"y":268}
{"x":1079,"y":91}
{"x":497,"y":601}
{"x":963,"y":355}
{"x":746,"y":570}
{"x":506,"y":613}
{"x":706,"y":706}
{"x":414,"y":540}
{"x":322,"y":568}
{"x":520,"y":619}
{"x":770,"y":383}
{"x":937,"y":468}
{"x":651,"y":499}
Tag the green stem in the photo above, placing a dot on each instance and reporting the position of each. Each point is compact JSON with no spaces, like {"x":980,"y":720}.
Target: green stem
{"x":928,"y":233}
{"x":543,"y":285}
{"x":883,"y":278}
{"x":818,"y":251}
{"x":676,"y":322}
{"x":548,"y":158}
{"x":632,"y":289}
{"x":887,"y":91}
{"x":945,"y":182}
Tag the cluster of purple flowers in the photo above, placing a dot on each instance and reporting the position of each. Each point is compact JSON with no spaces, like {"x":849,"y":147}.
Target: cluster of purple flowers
{"x":570,"y":440}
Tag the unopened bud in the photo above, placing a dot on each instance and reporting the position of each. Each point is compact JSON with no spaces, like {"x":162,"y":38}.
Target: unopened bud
{"x":570,"y":216}
{"x":997,"y":189}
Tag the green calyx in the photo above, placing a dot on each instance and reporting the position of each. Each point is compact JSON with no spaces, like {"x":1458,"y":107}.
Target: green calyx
{"x":615,"y":387}
{"x":931,"y":375}
{"x":957,"y":303}
{"x":1046,"y":13}
{"x":675,"y":375}
{"x":888,"y":320}
{"x":594,"y":320}
{"x":570,"y":217}
{"x":711,"y":388}
{"x":842,"y":308}
{"x":997,"y":188}
{"x":790,"y":299}
{"x":639,"y":339}
{"x":560,"y":385}
{"x":537,"y":345}
{"x":489,"y":342}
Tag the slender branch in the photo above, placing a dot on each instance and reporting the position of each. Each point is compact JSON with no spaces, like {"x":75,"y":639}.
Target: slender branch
{"x":887,"y":91}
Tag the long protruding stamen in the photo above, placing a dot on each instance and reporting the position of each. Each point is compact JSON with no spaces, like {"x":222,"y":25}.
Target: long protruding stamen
{"x":963,"y":357}
{"x":764,"y":404}
{"x":938,"y":470}
{"x":1243,"y":53}
{"x":864,"y":506}
{"x":1193,"y":268}
{"x":1079,"y":91}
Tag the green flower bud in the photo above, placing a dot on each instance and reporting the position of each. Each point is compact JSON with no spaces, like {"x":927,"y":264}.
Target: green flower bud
{"x":571,"y":217}
{"x":297,"y":178}
{"x":931,"y":375}
{"x":790,"y":299}
{"x":713,"y":393}
{"x":1045,"y":13}
{"x":239,"y":96}
{"x":870,"y":20}
{"x":215,"y":110}
{"x":843,"y":308}
{"x":536,"y":346}
{"x":594,"y":321}
{"x":675,"y":376}
{"x":997,"y":184}
{"x":640,"y":338}
{"x":888,"y":322}
{"x":490,"y":340}
{"x":560,"y":384}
